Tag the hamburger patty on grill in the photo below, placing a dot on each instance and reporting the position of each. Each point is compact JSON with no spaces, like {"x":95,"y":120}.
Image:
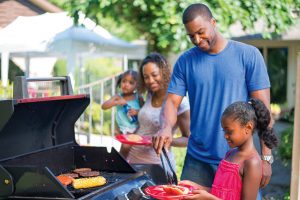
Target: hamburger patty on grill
{"x":79,"y":170}
{"x":89,"y":174}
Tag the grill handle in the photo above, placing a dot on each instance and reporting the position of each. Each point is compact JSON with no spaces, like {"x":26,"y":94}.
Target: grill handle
{"x":20,"y":85}
{"x":6,"y":183}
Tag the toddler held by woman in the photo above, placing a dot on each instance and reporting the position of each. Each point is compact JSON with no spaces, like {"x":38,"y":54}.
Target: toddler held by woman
{"x":128,"y":104}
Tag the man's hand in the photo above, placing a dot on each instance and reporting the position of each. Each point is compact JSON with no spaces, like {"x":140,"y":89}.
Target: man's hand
{"x":267,"y":172}
{"x":163,"y":138}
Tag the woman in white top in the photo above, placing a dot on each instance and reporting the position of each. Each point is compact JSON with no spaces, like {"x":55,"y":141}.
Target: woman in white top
{"x":155,"y":75}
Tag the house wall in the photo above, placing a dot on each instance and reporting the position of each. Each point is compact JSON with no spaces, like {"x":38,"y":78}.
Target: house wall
{"x":293,"y":48}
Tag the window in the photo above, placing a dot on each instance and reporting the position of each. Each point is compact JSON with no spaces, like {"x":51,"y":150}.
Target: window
{"x":277,"y":69}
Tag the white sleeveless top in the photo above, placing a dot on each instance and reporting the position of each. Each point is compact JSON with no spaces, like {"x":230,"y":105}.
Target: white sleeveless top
{"x":149,"y":124}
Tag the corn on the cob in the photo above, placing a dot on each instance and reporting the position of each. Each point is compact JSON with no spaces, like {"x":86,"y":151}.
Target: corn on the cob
{"x":88,"y":182}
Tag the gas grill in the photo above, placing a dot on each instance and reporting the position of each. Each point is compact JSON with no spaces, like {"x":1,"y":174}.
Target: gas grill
{"x":37,"y":143}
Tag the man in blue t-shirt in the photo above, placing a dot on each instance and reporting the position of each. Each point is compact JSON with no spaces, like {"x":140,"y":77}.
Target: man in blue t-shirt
{"x":215,"y":73}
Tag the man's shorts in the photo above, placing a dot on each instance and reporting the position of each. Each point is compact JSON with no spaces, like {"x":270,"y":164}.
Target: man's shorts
{"x":198,"y":171}
{"x":201,"y":172}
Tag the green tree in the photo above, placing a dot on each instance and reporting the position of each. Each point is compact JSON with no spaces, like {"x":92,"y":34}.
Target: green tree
{"x":159,"y":21}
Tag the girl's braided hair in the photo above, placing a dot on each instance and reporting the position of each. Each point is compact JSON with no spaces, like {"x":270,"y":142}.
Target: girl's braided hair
{"x":254,"y":111}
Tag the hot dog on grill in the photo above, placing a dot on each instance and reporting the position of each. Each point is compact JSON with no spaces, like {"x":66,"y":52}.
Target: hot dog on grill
{"x":88,"y":182}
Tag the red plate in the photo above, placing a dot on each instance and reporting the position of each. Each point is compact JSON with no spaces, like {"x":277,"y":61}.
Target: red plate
{"x":123,"y":138}
{"x":158,"y":192}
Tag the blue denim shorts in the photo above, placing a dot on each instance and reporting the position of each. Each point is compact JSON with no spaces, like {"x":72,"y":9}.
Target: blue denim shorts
{"x":201,"y":172}
{"x":198,"y":171}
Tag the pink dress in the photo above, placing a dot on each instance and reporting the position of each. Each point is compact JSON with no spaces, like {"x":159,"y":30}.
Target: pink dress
{"x":227,"y":182}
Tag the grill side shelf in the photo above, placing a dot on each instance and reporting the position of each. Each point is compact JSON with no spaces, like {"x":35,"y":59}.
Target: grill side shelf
{"x":6,"y":183}
{"x":32,"y":181}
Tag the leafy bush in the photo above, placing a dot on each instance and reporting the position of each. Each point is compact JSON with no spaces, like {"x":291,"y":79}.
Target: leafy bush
{"x":289,"y":116}
{"x":6,"y":93}
{"x":286,"y":140}
{"x":287,"y":196}
{"x":96,"y":107}
{"x":96,"y":128}
{"x":179,"y":154}
{"x":286,"y":145}
{"x":275,"y":110}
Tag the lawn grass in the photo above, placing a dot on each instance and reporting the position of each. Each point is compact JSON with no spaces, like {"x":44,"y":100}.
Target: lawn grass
{"x":179,"y":154}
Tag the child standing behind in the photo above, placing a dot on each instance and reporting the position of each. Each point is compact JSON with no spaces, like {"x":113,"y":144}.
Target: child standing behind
{"x":239,"y":174}
{"x":128,"y":104}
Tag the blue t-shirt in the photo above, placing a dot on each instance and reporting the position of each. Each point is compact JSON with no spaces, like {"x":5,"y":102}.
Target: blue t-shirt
{"x":214,"y":81}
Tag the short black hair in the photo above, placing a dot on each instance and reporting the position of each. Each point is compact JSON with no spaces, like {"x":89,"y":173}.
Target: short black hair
{"x":195,"y":10}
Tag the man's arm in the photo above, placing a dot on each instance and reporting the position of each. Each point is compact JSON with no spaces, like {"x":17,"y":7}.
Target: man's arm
{"x":183,"y":122}
{"x":169,"y":118}
{"x":264,"y":96}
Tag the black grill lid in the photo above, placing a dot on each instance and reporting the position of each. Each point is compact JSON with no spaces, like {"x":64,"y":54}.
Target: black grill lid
{"x":31,"y":125}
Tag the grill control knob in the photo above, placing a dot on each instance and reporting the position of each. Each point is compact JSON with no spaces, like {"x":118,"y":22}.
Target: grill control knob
{"x":147,"y":184}
{"x":135,"y":194}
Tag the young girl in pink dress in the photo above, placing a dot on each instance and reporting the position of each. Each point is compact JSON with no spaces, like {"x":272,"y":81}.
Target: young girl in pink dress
{"x":239,"y":173}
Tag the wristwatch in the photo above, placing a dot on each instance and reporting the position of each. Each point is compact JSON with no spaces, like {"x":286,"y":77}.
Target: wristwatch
{"x":268,"y":158}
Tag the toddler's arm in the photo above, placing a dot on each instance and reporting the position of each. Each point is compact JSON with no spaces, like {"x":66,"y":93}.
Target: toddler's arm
{"x":114,"y":101}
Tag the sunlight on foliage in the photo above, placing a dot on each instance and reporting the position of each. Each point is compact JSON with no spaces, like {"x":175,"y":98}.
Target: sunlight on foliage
{"x":159,"y":22}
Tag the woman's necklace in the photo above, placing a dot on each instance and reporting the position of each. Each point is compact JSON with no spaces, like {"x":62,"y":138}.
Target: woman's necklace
{"x":157,"y":100}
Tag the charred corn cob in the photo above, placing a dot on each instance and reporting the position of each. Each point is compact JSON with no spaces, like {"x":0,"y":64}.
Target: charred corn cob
{"x":88,"y":182}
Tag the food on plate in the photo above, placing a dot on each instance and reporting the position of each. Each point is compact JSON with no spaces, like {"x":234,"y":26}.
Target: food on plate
{"x":79,"y":170}
{"x":89,"y":174}
{"x":133,"y":137}
{"x":73,"y":175}
{"x":88,"y":182}
{"x":65,"y":180}
{"x":175,"y":190}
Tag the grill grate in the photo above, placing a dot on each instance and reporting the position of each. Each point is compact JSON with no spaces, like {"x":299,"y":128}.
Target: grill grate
{"x":111,"y":178}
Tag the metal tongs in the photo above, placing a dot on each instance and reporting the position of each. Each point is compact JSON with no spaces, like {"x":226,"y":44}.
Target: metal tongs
{"x":171,"y":179}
